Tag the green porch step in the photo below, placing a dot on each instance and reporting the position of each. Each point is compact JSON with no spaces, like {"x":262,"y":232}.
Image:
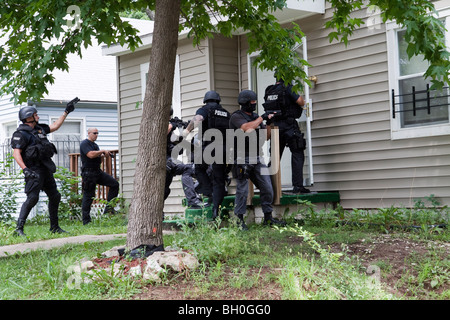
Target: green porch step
{"x":193,"y":215}
{"x":316,"y":197}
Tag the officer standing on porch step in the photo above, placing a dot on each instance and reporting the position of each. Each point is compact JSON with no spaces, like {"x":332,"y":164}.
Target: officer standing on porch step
{"x":290,"y":134}
{"x":211,"y":116}
{"x":33,"y":153}
{"x":249,"y":166}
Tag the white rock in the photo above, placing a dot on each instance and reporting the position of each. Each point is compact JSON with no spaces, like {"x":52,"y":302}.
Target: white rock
{"x":177,"y":260}
{"x":152,"y":271}
{"x":113,"y":252}
{"x":136,"y":271}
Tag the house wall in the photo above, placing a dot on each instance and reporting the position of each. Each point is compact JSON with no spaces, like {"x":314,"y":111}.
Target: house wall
{"x":195,"y":80}
{"x":353,"y":152}
{"x":129,"y":115}
{"x":104,"y":119}
{"x":351,"y":132}
{"x":226,"y":70}
{"x":8,"y":114}
{"x":211,"y":66}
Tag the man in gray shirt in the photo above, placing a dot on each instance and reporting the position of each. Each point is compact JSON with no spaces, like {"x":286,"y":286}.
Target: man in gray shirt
{"x":248,"y":165}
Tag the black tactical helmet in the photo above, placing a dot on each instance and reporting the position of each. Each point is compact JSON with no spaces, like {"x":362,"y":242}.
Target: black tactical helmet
{"x":211,"y":95}
{"x":246,"y":96}
{"x":26,"y":112}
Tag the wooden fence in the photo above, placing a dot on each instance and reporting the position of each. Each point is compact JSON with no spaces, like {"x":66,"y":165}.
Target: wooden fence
{"x":109,"y":165}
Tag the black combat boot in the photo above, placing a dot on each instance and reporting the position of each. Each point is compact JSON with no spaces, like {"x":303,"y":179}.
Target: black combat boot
{"x":19,"y":228}
{"x":57,"y":229}
{"x":241,"y":219}
{"x":215,"y":213}
{"x":268,"y":220}
{"x":54,"y":226}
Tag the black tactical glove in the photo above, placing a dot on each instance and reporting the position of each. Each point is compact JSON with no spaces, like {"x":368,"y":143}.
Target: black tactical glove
{"x":71,"y":105}
{"x":30,"y":174}
{"x":265,"y":116}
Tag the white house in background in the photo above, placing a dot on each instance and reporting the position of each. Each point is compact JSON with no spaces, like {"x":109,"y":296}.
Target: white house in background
{"x":364,"y":140}
{"x":93,"y":79}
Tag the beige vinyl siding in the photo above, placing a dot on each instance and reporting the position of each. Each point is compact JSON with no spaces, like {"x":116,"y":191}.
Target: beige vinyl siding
{"x":353,"y":152}
{"x":194,"y":76}
{"x":243,"y":62}
{"x":194,"y":81}
{"x":226,"y":71}
{"x":351,"y":132}
{"x":212,"y":66}
{"x":129,"y":115}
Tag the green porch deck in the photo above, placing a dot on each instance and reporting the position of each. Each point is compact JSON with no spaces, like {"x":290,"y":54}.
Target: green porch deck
{"x":192,"y":215}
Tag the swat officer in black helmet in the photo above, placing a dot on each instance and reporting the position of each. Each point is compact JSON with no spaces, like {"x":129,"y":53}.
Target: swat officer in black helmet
{"x":33,"y":152}
{"x":211,"y":116}
{"x":283,"y":97}
{"x":247,"y":165}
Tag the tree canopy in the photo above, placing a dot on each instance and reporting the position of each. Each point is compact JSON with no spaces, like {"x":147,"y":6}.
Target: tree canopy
{"x":30,"y":55}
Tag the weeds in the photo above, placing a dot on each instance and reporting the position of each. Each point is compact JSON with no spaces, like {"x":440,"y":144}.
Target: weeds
{"x":69,"y":186}
{"x":296,"y":260}
{"x":327,"y":278}
{"x":9,"y":186}
{"x":421,"y":217}
{"x":209,"y":243}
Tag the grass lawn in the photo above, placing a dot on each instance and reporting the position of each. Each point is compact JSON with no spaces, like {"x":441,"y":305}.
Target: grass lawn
{"x":316,"y":261}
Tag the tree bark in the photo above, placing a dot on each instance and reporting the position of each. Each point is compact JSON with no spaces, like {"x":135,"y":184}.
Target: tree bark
{"x":146,"y":209}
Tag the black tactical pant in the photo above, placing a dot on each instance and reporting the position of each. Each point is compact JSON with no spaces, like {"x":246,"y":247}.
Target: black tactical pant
{"x":215,"y":188}
{"x":92,"y":177}
{"x":291,"y":137}
{"x":254,"y":172}
{"x":45,"y":182}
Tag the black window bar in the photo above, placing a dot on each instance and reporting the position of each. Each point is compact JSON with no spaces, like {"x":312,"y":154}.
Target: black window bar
{"x":415,"y":100}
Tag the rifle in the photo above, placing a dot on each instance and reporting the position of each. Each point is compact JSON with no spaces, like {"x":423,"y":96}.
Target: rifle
{"x":177,"y":127}
{"x":178,"y":123}
{"x":276,"y":114}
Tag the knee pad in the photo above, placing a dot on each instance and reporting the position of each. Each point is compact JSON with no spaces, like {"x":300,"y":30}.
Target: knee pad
{"x":31,"y":200}
{"x":56,"y":197}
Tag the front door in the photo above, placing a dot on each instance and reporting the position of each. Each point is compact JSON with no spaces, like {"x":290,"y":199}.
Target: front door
{"x":259,"y":81}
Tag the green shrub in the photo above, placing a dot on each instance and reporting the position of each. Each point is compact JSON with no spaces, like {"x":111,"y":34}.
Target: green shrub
{"x":70,"y":205}
{"x":10,"y":184}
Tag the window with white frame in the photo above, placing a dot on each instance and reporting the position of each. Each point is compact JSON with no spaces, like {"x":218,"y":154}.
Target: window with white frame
{"x":67,"y":140}
{"x":8,"y":130}
{"x":70,"y":130}
{"x":415,"y":110}
{"x":176,"y":95}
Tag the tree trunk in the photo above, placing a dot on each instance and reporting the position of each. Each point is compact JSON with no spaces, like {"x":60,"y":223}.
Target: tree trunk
{"x":146,"y":209}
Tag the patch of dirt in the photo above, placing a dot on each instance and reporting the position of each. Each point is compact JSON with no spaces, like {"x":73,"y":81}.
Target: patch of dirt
{"x":105,"y":263}
{"x":188,"y":289}
{"x":390,"y":256}
{"x":184,"y":287}
{"x":395,"y":257}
